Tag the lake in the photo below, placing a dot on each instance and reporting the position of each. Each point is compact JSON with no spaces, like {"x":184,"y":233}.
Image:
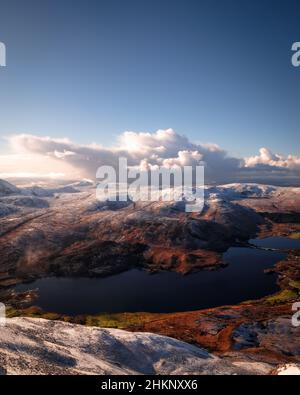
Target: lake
{"x":278,"y":243}
{"x":137,"y":290}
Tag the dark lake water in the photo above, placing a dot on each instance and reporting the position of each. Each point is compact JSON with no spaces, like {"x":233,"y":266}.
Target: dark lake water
{"x":137,"y":290}
{"x":278,"y":243}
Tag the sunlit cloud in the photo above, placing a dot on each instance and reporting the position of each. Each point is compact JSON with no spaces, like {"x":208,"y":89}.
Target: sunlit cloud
{"x":268,"y":158}
{"x":33,"y":165}
{"x":45,"y":155}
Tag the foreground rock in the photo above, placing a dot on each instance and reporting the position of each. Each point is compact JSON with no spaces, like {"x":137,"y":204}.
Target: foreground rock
{"x":288,"y":370}
{"x":37,"y":346}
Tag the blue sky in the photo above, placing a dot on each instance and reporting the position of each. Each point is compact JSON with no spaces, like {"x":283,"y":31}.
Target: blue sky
{"x":216,"y":71}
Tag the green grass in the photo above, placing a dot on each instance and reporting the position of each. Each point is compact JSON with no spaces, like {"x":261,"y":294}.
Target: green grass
{"x":120,"y":320}
{"x":295,"y":285}
{"x":104,"y":320}
{"x":283,"y":296}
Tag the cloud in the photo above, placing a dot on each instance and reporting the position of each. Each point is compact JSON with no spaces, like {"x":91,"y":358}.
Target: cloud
{"x":161,"y":148}
{"x":30,"y":165}
{"x":266,"y":159}
{"x":64,"y":154}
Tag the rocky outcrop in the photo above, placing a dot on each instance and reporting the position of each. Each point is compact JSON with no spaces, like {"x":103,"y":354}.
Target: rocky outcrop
{"x":37,"y":346}
{"x":290,"y":369}
{"x":261,"y":332}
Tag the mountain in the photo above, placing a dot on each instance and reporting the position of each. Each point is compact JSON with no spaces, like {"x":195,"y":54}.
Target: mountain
{"x":6,"y":188}
{"x":73,"y":233}
{"x":48,"y":192}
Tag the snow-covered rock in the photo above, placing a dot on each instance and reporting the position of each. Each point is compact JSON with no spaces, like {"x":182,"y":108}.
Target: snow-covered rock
{"x":290,"y":369}
{"x":38,"y":346}
{"x":83,"y":183}
{"x":25,"y":201}
{"x":7,"y":209}
{"x":6,"y":188}
{"x":107,"y":205}
{"x":242,"y":191}
{"x":48,"y":192}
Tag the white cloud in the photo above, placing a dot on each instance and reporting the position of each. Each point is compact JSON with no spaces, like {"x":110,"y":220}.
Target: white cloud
{"x":275,"y":161}
{"x":162,"y":148}
{"x":29,"y":164}
{"x":62,"y":155}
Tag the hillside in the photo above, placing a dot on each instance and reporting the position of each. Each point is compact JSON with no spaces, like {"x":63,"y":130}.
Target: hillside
{"x":71,"y":232}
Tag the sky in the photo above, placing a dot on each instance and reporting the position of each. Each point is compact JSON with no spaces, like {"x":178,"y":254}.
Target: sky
{"x":215,"y":71}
